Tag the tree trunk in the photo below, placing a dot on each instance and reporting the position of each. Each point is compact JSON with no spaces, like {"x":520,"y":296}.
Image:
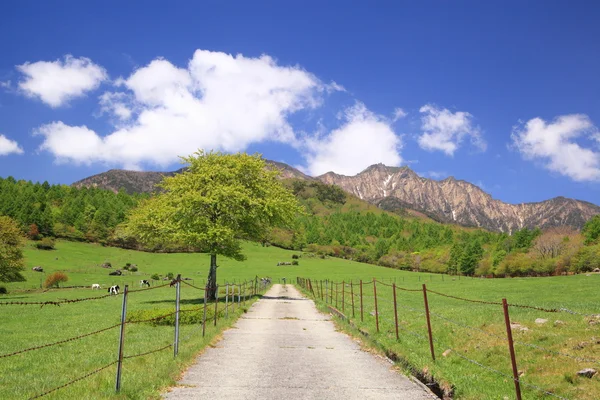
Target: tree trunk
{"x":211,"y":282}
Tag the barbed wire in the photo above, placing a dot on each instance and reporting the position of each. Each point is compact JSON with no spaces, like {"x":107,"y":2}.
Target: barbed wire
{"x":148,"y":352}
{"x":51,"y":302}
{"x":59,"y":342}
{"x":73,"y":381}
{"x":149,"y":288}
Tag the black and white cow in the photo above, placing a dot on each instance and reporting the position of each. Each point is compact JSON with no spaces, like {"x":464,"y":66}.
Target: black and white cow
{"x":114,"y":289}
{"x":144,"y":282}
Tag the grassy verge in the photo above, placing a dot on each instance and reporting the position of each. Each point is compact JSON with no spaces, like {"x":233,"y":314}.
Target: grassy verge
{"x":477,"y":332}
{"x":32,"y":373}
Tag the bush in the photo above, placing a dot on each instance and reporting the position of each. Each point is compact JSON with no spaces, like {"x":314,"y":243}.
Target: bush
{"x":3,"y":290}
{"x":45,"y":244}
{"x":170,"y":275}
{"x":133,"y":268}
{"x":155,"y":277}
{"x":295,"y":256}
{"x":295,"y":262}
{"x":55,"y":278}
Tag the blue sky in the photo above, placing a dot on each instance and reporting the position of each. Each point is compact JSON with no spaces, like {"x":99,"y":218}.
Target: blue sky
{"x":502,"y":94}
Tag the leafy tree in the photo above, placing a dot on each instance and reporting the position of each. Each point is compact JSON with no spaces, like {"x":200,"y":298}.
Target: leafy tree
{"x":11,"y":254}
{"x":217,"y":201}
{"x":591,"y":230}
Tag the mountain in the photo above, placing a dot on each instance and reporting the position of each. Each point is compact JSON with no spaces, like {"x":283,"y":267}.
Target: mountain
{"x":456,"y":201}
{"x":145,"y":182}
{"x":399,"y":189}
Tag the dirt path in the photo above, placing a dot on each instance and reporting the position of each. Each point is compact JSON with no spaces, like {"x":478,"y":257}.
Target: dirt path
{"x":284,"y":348}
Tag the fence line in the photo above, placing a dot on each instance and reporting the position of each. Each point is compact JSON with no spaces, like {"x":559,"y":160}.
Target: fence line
{"x":390,"y":309}
{"x":245,"y":290}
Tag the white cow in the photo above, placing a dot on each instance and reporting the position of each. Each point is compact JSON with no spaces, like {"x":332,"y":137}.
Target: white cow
{"x":96,"y":286}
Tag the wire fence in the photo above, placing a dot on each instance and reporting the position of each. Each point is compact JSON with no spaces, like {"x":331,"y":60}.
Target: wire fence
{"x":230,"y":295}
{"x":379,"y":303}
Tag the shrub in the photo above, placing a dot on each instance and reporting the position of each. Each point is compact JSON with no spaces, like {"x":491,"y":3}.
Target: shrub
{"x":3,"y":290}
{"x":295,"y":256}
{"x":295,"y":262}
{"x":133,"y":268}
{"x":170,"y":275}
{"x":55,"y":278}
{"x":45,"y":244}
{"x":155,"y":277}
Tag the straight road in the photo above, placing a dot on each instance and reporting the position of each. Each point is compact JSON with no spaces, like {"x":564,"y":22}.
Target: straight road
{"x":285,"y":348}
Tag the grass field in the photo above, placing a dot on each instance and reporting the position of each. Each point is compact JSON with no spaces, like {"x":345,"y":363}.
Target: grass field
{"x":30,"y":373}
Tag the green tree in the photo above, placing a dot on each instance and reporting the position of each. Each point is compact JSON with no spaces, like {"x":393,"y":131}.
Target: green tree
{"x":591,"y":230}
{"x":217,"y":201}
{"x":11,"y":254}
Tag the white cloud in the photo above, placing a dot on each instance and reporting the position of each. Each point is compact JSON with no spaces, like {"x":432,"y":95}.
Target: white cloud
{"x":434,"y":174}
{"x":554,"y":145}
{"x":219,"y":102}
{"x":399,"y":113}
{"x":445,"y":131}
{"x":5,"y":84}
{"x":363,"y":140}
{"x":116,"y":104}
{"x":57,"y":82}
{"x":8,"y":146}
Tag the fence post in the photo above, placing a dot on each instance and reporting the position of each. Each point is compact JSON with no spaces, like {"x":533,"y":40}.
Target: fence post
{"x":240,"y":295}
{"x":331,"y":293}
{"x":352,"y":295}
{"x":361,"y":302}
{"x":177,"y":298}
{"x":395,"y":310}
{"x":321,"y":284}
{"x":226,"y":300}
{"x":204,"y":317}
{"x":511,"y":348}
{"x":428,"y":322}
{"x":326,"y":291}
{"x":216,"y":305}
{"x":343,"y":295}
{"x":376,"y":311}
{"x":121,"y":339}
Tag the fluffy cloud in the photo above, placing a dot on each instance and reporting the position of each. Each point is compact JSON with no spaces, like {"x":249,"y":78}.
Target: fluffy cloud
{"x":445,"y":131}
{"x":8,"y":146}
{"x":57,"y":82}
{"x":364,"y":139}
{"x":219,"y":102}
{"x":554,"y":145}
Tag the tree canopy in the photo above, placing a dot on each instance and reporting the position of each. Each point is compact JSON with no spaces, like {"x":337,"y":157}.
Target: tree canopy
{"x":11,"y":254}
{"x":218,"y":200}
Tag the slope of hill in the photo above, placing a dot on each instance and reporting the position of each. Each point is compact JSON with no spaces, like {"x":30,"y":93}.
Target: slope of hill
{"x":456,"y":201}
{"x":401,"y":190}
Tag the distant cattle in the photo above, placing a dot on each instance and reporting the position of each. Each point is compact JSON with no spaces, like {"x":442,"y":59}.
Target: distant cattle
{"x":116,"y":272}
{"x":38,"y":269}
{"x":114,"y":289}
{"x":96,"y":286}
{"x":144,"y":282}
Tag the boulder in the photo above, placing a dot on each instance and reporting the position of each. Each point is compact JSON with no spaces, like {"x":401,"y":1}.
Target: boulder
{"x":38,"y":269}
{"x":587,"y":372}
{"x":541,"y":321}
{"x":446,"y":353}
{"x":515,"y":326}
{"x":558,"y":322}
{"x":596,"y":270}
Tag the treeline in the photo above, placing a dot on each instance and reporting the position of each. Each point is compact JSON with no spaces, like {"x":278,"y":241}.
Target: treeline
{"x":44,"y":210}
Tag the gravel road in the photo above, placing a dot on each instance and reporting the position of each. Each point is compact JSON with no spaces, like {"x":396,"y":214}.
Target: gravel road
{"x":284,"y":348}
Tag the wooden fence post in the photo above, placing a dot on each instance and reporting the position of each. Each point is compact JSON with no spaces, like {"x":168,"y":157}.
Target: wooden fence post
{"x":343,"y":295}
{"x":227,"y":300}
{"x":395,"y":310}
{"x":361,"y":301}
{"x":428,"y":322}
{"x":511,"y":349}
{"x":121,"y":339}
{"x":376,"y":310}
{"x":352,"y":295}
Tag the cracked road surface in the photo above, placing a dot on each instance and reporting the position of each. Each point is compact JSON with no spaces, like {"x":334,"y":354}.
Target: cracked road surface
{"x":283,"y":347}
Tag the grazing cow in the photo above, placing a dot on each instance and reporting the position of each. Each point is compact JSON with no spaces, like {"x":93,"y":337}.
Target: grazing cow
{"x":114,"y":289}
{"x":96,"y":286}
{"x":144,"y":282}
{"x":38,"y":269}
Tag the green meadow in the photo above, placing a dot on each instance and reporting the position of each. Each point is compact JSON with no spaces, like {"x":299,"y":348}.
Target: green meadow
{"x":475,"y":331}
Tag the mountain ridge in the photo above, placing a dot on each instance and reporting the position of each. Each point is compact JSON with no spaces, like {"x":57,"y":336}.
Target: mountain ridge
{"x":449,"y":200}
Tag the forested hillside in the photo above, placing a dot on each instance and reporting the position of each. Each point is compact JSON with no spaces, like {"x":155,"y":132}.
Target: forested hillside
{"x":334,"y":224}
{"x":63,"y":211}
